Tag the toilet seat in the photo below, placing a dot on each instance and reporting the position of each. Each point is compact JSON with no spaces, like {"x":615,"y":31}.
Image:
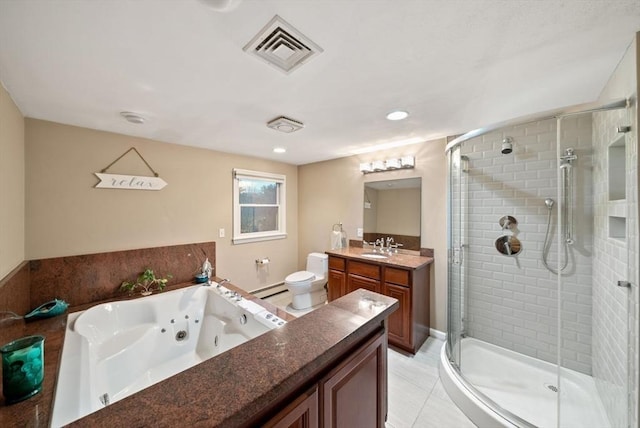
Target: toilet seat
{"x":300,"y":276}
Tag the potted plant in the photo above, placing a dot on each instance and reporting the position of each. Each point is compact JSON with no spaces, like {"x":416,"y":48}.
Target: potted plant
{"x":146,"y":281}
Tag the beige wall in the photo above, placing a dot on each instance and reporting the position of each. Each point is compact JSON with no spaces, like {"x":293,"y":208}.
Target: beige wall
{"x":66,"y":215}
{"x":332,"y":191}
{"x":12,"y":185}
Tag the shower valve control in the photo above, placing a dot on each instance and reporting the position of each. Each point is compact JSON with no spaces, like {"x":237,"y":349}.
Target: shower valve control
{"x":508,"y":222}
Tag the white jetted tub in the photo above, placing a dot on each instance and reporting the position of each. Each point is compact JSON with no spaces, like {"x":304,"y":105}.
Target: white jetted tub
{"x":116,"y":349}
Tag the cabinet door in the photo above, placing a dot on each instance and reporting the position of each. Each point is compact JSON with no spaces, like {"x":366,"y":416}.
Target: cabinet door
{"x":301,"y":413}
{"x":354,"y":394}
{"x":400,"y":320}
{"x":355,"y":281}
{"x":337,"y":284}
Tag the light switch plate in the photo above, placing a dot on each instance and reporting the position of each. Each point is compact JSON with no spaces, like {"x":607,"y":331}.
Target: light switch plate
{"x":359,"y":232}
{"x":221,"y":233}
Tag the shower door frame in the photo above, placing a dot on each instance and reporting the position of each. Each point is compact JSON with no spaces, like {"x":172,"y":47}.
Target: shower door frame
{"x":456,"y":257}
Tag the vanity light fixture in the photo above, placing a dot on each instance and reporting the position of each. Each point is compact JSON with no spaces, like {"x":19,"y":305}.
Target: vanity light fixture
{"x":366,"y":167}
{"x":392,"y":164}
{"x":405,"y":162}
{"x":397,"y":115}
{"x":378,"y":165}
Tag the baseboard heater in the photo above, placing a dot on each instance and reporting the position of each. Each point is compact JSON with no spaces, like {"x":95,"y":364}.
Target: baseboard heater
{"x":269,"y":290}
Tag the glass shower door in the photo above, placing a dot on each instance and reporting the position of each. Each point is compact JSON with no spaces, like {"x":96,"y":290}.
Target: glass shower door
{"x":595,"y":291}
{"x":455,"y":247}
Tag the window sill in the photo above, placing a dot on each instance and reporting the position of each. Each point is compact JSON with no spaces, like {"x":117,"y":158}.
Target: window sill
{"x":249,"y":239}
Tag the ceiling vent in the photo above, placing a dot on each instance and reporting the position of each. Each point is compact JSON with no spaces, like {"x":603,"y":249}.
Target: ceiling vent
{"x":282,"y":46}
{"x":284,"y":124}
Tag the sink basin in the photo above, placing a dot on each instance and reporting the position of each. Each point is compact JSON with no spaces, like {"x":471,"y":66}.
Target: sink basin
{"x":374,"y":256}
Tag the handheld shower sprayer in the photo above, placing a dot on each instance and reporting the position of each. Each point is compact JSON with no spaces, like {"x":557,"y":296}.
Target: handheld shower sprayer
{"x":549,"y":203}
{"x":547,"y":242}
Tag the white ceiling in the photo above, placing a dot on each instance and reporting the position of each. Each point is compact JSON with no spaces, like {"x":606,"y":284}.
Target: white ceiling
{"x":455,"y":65}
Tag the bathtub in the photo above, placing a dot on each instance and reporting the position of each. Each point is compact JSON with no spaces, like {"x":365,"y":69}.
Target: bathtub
{"x":116,"y":349}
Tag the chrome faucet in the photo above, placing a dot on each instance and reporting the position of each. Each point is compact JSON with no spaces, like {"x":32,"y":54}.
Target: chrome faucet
{"x":218,"y":285}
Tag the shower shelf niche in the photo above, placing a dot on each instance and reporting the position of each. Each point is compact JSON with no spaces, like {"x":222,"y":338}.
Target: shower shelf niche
{"x":617,"y":170}
{"x":617,"y":189}
{"x":617,"y":228}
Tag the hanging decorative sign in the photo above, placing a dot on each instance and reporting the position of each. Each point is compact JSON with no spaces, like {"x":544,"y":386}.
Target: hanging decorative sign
{"x":129,"y":182}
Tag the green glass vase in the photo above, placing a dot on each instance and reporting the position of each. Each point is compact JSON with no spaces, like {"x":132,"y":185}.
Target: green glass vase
{"x":22,"y":368}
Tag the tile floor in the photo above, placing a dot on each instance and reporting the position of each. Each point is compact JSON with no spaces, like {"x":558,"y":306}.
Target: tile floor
{"x":416,"y":396}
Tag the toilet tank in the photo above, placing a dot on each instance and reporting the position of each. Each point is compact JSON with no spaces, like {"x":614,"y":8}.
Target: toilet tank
{"x":318,"y":263}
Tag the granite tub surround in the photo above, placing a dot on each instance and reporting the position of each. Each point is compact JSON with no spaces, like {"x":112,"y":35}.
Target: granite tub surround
{"x":35,"y":411}
{"x":242,"y":387}
{"x":15,"y":293}
{"x":411,"y":261}
{"x":96,"y":277}
{"x":248,"y":384}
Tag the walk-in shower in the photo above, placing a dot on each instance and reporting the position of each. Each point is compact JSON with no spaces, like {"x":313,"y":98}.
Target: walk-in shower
{"x":540,"y":331}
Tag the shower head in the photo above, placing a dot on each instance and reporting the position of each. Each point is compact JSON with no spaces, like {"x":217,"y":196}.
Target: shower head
{"x":549,"y":203}
{"x":507,"y":146}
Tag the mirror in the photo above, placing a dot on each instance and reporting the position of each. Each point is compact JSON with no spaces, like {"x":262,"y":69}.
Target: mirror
{"x":392,"y":209}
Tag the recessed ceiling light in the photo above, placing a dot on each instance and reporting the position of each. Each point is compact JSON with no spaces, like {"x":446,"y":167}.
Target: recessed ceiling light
{"x":132,"y":117}
{"x":279,"y":150}
{"x":222,"y":5}
{"x":397,"y":115}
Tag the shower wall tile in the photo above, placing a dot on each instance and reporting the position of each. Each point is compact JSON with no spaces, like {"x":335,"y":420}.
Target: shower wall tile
{"x":512,"y":301}
{"x":614,"y":308}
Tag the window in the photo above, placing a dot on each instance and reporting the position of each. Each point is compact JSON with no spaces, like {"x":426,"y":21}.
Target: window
{"x":258,"y":206}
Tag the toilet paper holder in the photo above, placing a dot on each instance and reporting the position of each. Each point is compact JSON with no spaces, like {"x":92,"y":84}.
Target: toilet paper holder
{"x":263,"y":261}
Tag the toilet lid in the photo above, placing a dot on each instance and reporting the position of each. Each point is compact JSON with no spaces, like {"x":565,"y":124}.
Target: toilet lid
{"x":301,"y":276}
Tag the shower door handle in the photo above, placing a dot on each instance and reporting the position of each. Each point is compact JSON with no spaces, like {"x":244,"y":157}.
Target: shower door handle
{"x":624,"y":284}
{"x":458,"y":255}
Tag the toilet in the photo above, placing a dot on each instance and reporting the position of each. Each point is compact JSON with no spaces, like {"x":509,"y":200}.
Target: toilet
{"x":307,"y":286}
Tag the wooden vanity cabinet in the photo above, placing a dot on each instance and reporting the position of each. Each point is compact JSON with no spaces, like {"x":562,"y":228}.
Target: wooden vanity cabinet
{"x":337,"y":281}
{"x":409,"y":325}
{"x":400,"y":320}
{"x":352,"y":394}
{"x":363,"y":275}
{"x":301,"y":413}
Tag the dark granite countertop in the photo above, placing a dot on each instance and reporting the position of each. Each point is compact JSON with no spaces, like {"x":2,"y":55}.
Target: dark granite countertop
{"x":400,"y":259}
{"x":227,"y":390}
